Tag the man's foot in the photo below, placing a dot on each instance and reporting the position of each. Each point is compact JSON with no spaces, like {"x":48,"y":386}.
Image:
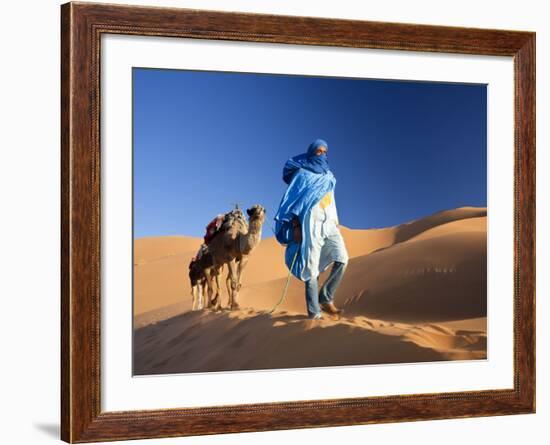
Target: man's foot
{"x":330,"y":308}
{"x":318,"y":316}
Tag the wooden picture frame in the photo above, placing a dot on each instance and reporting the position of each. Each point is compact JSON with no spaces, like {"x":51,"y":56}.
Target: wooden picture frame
{"x":82,"y":25}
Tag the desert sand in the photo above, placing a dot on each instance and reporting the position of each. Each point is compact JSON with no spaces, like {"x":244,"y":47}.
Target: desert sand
{"x":411,"y":293}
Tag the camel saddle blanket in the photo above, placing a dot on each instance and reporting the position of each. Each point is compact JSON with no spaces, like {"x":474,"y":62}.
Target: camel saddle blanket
{"x":213,"y":227}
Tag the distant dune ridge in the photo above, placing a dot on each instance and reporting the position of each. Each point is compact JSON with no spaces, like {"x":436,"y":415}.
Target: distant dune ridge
{"x":414,"y":292}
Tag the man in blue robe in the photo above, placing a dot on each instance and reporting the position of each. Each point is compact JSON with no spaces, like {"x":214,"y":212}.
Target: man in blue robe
{"x":307,"y":222}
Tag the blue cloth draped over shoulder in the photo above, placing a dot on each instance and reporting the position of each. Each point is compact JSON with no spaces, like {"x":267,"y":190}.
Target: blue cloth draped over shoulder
{"x":304,"y":191}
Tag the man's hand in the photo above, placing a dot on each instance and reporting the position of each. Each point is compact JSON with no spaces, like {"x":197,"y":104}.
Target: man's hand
{"x":297,"y":230}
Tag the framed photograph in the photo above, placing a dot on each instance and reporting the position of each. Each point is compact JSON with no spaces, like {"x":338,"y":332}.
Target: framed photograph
{"x":274,"y":222}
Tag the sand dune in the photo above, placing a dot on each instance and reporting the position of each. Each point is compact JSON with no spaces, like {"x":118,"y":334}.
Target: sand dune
{"x":414,"y":228}
{"x":148,"y":250}
{"x":160,"y":271}
{"x":203,"y":341}
{"x":426,"y":281}
{"x":435,"y":279}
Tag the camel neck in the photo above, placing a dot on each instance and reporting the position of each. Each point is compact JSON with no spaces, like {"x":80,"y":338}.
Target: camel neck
{"x":252,"y":238}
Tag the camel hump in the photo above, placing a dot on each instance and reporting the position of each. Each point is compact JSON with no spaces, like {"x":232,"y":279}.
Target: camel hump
{"x":233,"y":221}
{"x":234,"y":218}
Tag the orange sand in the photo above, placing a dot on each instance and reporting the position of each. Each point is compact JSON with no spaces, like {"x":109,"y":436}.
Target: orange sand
{"x":411,"y":293}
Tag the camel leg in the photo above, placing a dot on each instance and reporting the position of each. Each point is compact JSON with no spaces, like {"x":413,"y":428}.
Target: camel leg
{"x":220,"y":274}
{"x":192,"y":297}
{"x":218,"y":296}
{"x":239,"y":266}
{"x":208,"y":275}
{"x":200,"y":296}
{"x":204,"y":290}
{"x":228,"y":285}
{"x":242,"y":264}
{"x":233,"y":275}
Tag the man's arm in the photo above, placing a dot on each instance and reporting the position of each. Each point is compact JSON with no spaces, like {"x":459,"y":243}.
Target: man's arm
{"x":297,"y":229}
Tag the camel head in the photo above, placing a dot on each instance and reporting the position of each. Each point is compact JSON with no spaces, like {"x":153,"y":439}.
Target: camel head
{"x":256,"y":213}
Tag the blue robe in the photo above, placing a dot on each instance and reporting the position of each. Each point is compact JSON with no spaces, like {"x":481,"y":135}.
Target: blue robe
{"x":305,"y":190}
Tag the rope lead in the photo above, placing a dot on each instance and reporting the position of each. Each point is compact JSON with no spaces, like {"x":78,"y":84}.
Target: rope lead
{"x":286,"y":285}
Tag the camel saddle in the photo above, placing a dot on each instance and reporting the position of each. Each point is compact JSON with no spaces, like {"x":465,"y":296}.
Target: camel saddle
{"x":213,"y":227}
{"x":223,"y":222}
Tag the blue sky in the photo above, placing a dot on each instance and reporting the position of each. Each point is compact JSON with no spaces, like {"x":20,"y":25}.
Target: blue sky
{"x":399,"y":150}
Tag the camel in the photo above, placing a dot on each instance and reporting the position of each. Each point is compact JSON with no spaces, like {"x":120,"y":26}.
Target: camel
{"x":198,"y":285}
{"x":232,"y":246}
{"x":200,"y":267}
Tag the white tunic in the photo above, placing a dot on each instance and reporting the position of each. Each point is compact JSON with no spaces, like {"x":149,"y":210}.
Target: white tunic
{"x":327,"y":243}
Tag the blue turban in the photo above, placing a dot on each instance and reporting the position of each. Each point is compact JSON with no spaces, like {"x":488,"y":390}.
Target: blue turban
{"x":309,"y":160}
